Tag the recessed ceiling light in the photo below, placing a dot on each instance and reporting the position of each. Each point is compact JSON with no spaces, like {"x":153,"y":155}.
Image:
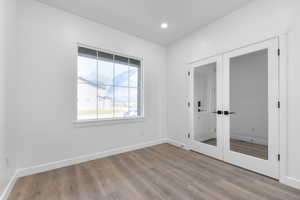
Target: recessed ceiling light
{"x":164,"y":25}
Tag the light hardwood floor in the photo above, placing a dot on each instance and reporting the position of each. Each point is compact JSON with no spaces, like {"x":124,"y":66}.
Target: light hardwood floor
{"x":256,"y":150}
{"x":154,"y":173}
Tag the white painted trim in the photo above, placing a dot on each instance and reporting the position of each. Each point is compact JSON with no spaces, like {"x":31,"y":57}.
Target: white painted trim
{"x":221,"y":53}
{"x":289,"y":181}
{"x":269,"y":167}
{"x":84,"y":45}
{"x":84,"y":123}
{"x":283,"y":128}
{"x":63,"y":163}
{"x":75,"y":88}
{"x":176,"y":143}
{"x":283,"y":97}
{"x":213,"y":151}
{"x":85,"y":158}
{"x":283,"y":135}
{"x":9,"y":187}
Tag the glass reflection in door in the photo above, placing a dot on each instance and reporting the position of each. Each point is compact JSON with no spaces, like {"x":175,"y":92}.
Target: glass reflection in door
{"x":249,"y":104}
{"x":204,"y":108}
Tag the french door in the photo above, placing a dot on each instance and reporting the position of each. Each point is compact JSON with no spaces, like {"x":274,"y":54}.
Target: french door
{"x":206,"y":101}
{"x":234,"y":107}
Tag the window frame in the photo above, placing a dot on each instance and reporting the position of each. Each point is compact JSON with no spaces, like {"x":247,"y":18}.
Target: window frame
{"x":113,"y":120}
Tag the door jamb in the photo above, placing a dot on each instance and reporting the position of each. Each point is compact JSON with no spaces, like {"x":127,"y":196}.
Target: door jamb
{"x":283,"y":88}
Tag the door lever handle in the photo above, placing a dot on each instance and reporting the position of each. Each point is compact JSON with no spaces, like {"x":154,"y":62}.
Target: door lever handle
{"x":219,"y":112}
{"x":228,"y":113}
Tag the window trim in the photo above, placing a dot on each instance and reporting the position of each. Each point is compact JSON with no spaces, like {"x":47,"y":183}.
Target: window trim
{"x":88,"y":122}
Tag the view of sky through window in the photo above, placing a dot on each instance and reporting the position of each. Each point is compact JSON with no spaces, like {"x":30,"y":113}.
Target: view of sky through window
{"x":108,"y":86}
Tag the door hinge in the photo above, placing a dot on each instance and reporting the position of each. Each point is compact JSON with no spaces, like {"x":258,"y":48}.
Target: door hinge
{"x":278,"y":157}
{"x":189,"y":104}
{"x":278,"y":52}
{"x":189,"y":135}
{"x":278,"y":104}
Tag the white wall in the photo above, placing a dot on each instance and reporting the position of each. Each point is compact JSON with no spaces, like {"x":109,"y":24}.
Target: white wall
{"x":258,"y":20}
{"x":41,"y":91}
{"x":47,"y":39}
{"x":7,"y":63}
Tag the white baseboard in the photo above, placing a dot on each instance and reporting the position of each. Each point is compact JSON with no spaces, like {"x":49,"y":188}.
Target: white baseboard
{"x":292,"y":182}
{"x":9,"y":187}
{"x":73,"y":161}
{"x":289,"y":181}
{"x":64,"y":163}
{"x":176,"y":143}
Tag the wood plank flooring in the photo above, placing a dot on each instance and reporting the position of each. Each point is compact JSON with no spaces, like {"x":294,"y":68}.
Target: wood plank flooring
{"x":154,"y":173}
{"x":251,"y":149}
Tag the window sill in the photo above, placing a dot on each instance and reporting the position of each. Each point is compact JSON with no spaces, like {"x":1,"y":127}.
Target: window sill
{"x":84,"y":123}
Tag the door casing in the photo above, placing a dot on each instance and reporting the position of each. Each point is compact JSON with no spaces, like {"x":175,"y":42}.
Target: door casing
{"x":222,"y":151}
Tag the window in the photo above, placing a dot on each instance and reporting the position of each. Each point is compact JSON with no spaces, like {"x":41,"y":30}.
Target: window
{"x":109,"y":86}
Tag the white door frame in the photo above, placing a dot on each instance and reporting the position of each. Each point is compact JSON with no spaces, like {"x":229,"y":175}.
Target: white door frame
{"x":268,"y":167}
{"x":283,"y":130}
{"x":283,"y":96}
{"x":210,"y":150}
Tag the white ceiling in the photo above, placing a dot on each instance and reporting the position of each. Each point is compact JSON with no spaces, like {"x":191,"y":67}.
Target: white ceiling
{"x":142,"y":18}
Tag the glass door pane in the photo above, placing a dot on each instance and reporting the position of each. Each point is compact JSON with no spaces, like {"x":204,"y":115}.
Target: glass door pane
{"x":249,"y":104}
{"x":205,"y":104}
{"x":251,"y":115}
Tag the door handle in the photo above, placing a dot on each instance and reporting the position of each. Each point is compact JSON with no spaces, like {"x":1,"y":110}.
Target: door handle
{"x":228,"y":113}
{"x":219,"y":112}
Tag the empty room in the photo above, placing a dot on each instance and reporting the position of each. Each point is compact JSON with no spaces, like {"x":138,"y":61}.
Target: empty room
{"x":149,"y":100}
